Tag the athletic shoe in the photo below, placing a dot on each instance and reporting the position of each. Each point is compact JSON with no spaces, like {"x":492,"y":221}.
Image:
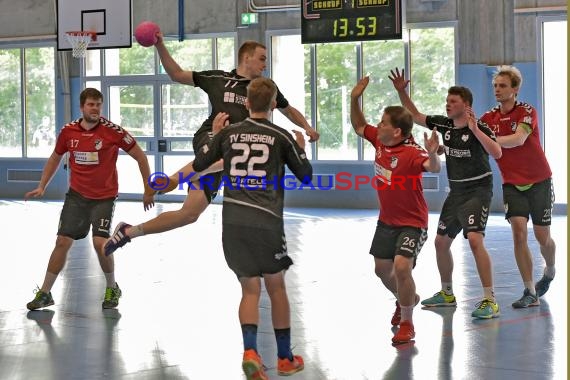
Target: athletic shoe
{"x":42,"y":299}
{"x":252,"y":366}
{"x":542,"y":285}
{"x":118,"y":239}
{"x":440,"y":298}
{"x":398,"y":312}
{"x":286,"y":367}
{"x":405,"y":333}
{"x":486,"y":309}
{"x":397,"y":315}
{"x":526,"y":300}
{"x":112,"y":296}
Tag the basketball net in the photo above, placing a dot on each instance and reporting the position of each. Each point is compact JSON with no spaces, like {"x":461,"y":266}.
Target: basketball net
{"x":79,"y":40}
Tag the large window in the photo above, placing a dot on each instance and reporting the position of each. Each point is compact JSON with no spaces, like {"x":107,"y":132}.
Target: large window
{"x":329,"y":71}
{"x":27,"y":102}
{"x":555,"y":98}
{"x":161,"y":114}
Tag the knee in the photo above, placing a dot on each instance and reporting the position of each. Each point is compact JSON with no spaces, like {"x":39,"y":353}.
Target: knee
{"x":475,"y":241}
{"x":441,"y":245}
{"x":63,"y":242}
{"x":402,"y":267}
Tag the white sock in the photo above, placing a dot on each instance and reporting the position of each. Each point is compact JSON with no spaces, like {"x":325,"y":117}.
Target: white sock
{"x":550,"y":271}
{"x":530,"y":286}
{"x":135,"y":231}
{"x":447,"y":287}
{"x":407,"y":312}
{"x":489,"y":293}
{"x":110,"y":277}
{"x":49,"y":280}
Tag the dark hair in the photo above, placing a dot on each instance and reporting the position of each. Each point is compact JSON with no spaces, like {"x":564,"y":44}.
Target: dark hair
{"x":89,"y":92}
{"x":261,"y":92}
{"x":248,"y":48}
{"x":463,"y":92}
{"x":401,"y":118}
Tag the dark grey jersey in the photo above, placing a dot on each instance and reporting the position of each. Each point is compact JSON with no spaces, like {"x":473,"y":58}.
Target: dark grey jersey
{"x":255,"y":152}
{"x":466,"y":159}
{"x":227,"y":92}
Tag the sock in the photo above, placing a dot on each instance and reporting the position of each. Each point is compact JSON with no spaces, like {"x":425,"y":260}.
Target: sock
{"x":49,"y":280}
{"x":447,"y":287}
{"x":110,"y":277}
{"x":283,"y":337}
{"x":406,"y":313}
{"x":530,"y":286}
{"x":489,"y":293}
{"x":135,"y":231}
{"x":249,"y":333}
{"x":550,"y":271}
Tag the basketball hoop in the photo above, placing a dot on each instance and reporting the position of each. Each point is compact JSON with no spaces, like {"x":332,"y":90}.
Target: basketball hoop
{"x":79,"y":40}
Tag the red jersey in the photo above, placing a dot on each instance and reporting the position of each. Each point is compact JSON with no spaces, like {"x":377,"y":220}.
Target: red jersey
{"x":525,"y":164}
{"x":93,"y":156}
{"x":398,"y":171}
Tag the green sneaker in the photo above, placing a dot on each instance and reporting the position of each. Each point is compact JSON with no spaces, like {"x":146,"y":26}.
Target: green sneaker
{"x":41,"y":300}
{"x":112,"y":296}
{"x":486,"y":309}
{"x":440,"y":298}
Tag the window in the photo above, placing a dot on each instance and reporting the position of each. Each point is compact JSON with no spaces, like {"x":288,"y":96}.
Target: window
{"x":27,"y":101}
{"x":337,"y":67}
{"x":157,"y":111}
{"x":555,"y":98}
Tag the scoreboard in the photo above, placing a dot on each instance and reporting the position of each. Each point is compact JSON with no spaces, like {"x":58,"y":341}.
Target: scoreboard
{"x":350,"y":20}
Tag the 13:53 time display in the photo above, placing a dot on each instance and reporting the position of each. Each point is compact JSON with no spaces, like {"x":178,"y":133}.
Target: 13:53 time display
{"x":359,"y":27}
{"x":350,"y":20}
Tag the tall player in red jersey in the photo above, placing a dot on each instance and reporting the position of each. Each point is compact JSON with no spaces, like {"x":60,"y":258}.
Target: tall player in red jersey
{"x":93,"y":145}
{"x":402,"y":224}
{"x":527,"y":182}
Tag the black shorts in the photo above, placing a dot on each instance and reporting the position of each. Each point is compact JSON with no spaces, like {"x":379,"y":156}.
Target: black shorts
{"x":209,"y":183}
{"x":251,"y":252}
{"x":466,"y":210}
{"x":80,"y":214}
{"x":390,"y":241}
{"x":536,"y":202}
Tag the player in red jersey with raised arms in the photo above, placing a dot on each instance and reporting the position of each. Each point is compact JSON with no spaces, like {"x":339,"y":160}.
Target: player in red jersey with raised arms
{"x":93,"y":144}
{"x":527,"y":182}
{"x":403,"y":221}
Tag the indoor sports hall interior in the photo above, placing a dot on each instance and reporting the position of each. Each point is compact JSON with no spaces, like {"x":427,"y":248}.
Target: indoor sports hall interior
{"x":177,"y":317}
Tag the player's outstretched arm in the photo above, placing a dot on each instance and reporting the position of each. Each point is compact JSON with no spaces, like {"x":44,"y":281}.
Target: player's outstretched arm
{"x":172,"y":68}
{"x":400,"y":84}
{"x":47,"y":174}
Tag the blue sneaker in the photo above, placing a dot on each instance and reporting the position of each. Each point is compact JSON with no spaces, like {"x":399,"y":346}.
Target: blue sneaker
{"x":440,"y":298}
{"x":486,"y":309}
{"x":118,"y":239}
{"x":542,"y":285}
{"x":526,"y":300}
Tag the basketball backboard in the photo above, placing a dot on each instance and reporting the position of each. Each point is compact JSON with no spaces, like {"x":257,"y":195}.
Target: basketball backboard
{"x":110,"y":19}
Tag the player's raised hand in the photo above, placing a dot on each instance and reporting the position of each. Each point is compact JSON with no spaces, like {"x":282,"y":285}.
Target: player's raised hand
{"x":221,"y":121}
{"x":471,"y":119}
{"x":398,"y":79}
{"x":431,"y":143}
{"x":299,"y":138}
{"x":359,"y":88}
{"x":312,"y":133}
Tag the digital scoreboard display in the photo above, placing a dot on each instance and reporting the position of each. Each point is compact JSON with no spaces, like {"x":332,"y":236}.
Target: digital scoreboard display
{"x":350,"y":20}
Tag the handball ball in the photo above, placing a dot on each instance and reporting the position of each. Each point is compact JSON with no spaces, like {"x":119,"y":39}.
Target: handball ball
{"x":145,"y":33}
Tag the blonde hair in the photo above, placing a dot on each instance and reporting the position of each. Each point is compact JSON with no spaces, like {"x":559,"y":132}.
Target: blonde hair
{"x":510,"y":72}
{"x":261,"y":93}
